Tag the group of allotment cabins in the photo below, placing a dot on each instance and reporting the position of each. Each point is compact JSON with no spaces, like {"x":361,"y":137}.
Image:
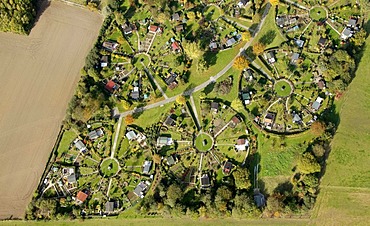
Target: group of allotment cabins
{"x":171,"y":79}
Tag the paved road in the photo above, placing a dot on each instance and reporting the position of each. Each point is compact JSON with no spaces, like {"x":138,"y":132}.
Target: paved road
{"x":211,"y":80}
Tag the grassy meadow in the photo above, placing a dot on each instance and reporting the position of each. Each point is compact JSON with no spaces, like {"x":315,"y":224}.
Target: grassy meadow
{"x":344,"y":193}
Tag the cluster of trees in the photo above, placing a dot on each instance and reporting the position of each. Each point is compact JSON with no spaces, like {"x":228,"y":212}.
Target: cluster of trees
{"x":17,"y":15}
{"x":229,"y":199}
{"x":299,"y":194}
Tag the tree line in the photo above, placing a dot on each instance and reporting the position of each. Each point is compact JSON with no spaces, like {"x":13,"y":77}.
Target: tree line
{"x":17,"y":15}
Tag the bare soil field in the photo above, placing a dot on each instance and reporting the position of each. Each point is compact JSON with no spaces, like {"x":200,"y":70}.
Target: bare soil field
{"x":38,"y":75}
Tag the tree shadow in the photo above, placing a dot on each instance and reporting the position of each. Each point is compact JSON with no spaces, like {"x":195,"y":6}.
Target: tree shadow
{"x":41,"y":6}
{"x":210,"y":58}
{"x":209,"y":88}
{"x":268,"y":38}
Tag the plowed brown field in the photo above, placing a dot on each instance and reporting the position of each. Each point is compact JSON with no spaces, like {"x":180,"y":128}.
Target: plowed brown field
{"x":38,"y":75}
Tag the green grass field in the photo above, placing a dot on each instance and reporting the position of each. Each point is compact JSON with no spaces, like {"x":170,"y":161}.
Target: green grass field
{"x":270,"y":32}
{"x":109,"y":167}
{"x":318,"y":13}
{"x":282,"y":88}
{"x":349,"y":160}
{"x":203,"y":142}
{"x":65,"y":142}
{"x":344,"y":192}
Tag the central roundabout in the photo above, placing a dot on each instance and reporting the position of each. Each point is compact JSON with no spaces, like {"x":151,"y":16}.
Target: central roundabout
{"x":283,"y":88}
{"x":203,"y":142}
{"x":109,"y":167}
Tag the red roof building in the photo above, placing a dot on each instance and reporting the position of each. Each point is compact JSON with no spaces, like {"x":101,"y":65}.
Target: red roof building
{"x":175,"y":46}
{"x":81,"y":197}
{"x":111,"y":86}
{"x":153,"y":28}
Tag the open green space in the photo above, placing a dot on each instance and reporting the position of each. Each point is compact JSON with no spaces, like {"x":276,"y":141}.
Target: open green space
{"x":212,"y":12}
{"x":318,"y":13}
{"x":65,"y":142}
{"x":141,"y":60}
{"x":203,"y":142}
{"x":109,"y":167}
{"x":282,"y":88}
{"x":269,"y":33}
{"x":348,"y":163}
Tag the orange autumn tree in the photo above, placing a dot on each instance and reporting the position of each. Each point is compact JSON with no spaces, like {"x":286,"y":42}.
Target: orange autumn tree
{"x":258,"y":48}
{"x":241,"y":63}
{"x":129,"y":119}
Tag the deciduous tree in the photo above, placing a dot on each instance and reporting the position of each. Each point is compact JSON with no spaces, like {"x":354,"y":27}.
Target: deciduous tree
{"x":274,"y":2}
{"x":258,"y":48}
{"x":307,"y":164}
{"x":241,"y":176}
{"x":180,"y":99}
{"x":241,"y":63}
{"x":129,"y":119}
{"x":192,"y":50}
{"x":237,"y":105}
{"x":318,"y":128}
{"x":246,"y":36}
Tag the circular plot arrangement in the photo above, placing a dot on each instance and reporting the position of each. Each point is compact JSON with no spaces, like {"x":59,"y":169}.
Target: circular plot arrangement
{"x":141,"y":59}
{"x":283,"y":88}
{"x":318,"y":13}
{"x":203,"y":142}
{"x":109,"y":167}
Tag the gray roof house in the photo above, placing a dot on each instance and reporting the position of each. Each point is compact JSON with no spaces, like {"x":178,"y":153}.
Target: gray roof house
{"x":297,"y":119}
{"x":352,"y":23}
{"x":147,"y":166}
{"x":215,"y":106}
{"x":140,"y":189}
{"x":171,"y":160}
{"x":230,"y":42}
{"x":205,"y":181}
{"x":109,"y":207}
{"x":299,"y":43}
{"x":164,"y":141}
{"x":95,"y":134}
{"x":295,"y":57}
{"x":270,"y":56}
{"x":317,"y":104}
{"x":80,"y":145}
{"x":346,"y":33}
{"x":72,"y":178}
{"x":131,"y":135}
{"x":169,"y":121}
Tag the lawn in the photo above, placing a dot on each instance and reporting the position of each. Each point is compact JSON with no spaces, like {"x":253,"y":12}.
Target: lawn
{"x":203,"y":142}
{"x":282,"y":88}
{"x":277,"y":159}
{"x":212,"y":13}
{"x":318,"y":13}
{"x":65,"y":142}
{"x":344,"y":191}
{"x":141,"y":59}
{"x":269,"y":33}
{"x":109,"y":167}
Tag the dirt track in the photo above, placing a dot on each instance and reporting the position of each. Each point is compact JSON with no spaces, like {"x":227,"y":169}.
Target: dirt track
{"x":38,"y":74}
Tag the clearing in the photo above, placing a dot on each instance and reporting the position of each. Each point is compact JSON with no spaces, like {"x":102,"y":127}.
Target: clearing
{"x":38,"y":76}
